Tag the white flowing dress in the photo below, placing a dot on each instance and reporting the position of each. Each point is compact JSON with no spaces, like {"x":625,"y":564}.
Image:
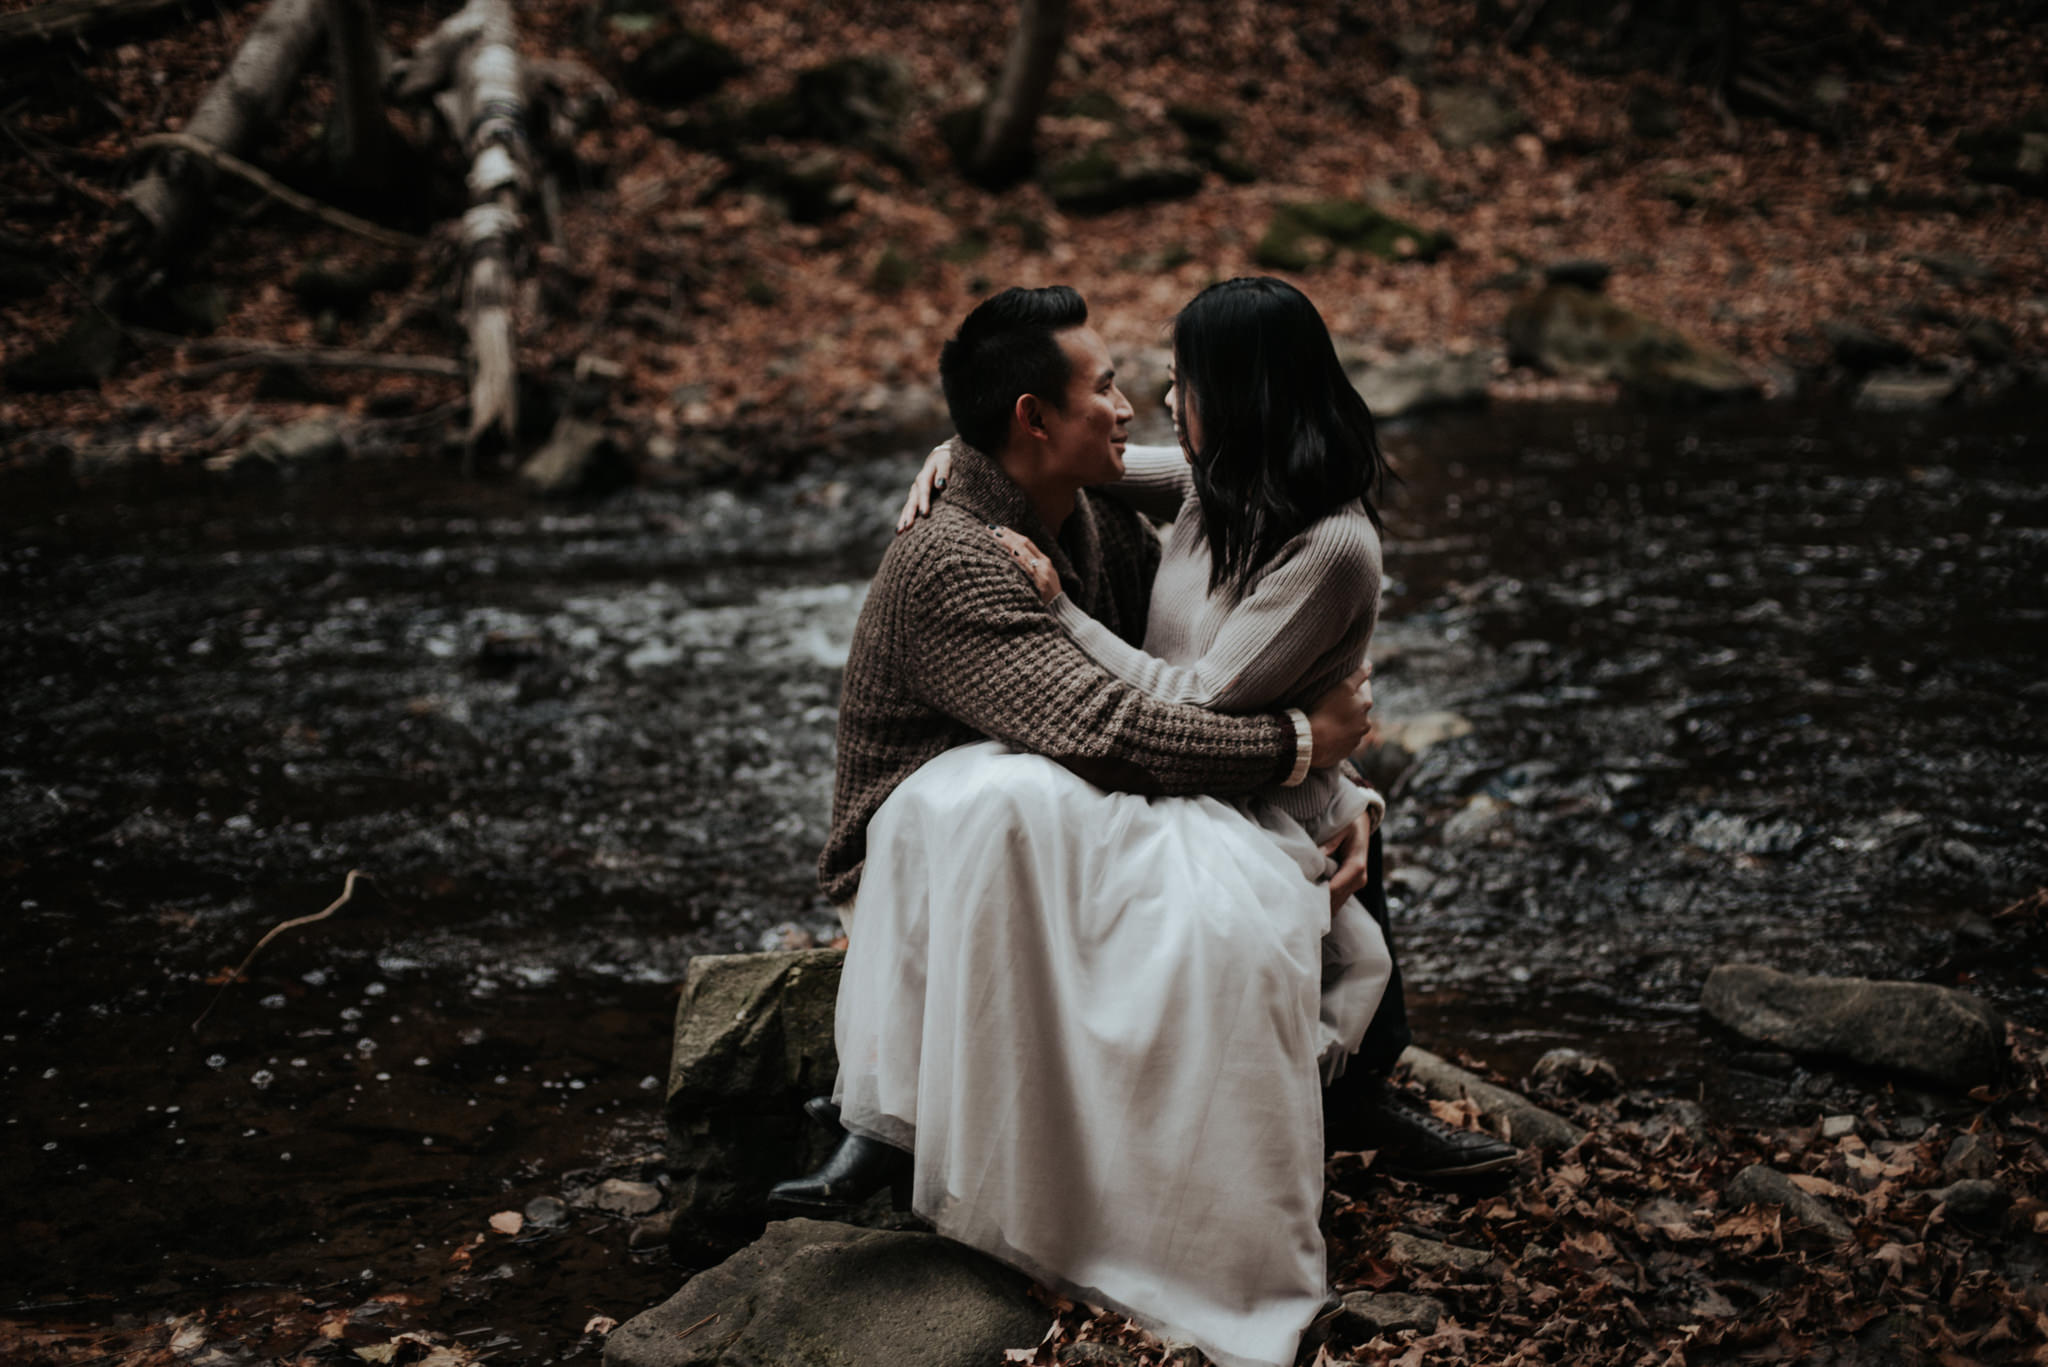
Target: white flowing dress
{"x":1102,"y":1022}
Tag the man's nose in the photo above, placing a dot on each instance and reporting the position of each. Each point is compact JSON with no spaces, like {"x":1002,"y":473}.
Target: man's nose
{"x":1124,"y":411}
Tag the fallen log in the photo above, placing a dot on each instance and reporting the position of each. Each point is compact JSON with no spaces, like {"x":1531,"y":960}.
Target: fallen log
{"x":473,"y":55}
{"x":305,"y":204}
{"x":319,"y":358}
{"x":161,"y":207}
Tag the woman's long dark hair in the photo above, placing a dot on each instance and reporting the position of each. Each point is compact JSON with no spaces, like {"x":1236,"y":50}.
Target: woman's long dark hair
{"x":1286,"y":440}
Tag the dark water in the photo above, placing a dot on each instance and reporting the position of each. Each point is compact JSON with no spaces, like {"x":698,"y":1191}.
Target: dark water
{"x":1763,"y":685}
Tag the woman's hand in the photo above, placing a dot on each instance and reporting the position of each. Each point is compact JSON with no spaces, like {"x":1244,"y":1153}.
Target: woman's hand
{"x":1351,"y":848}
{"x":1341,"y":719}
{"x":1035,"y":563}
{"x":930,"y":480}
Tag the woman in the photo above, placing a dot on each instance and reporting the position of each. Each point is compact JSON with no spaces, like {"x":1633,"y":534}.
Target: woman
{"x":1102,"y":1021}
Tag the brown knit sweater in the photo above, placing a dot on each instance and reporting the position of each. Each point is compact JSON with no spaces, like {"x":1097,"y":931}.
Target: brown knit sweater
{"x":953,"y":645}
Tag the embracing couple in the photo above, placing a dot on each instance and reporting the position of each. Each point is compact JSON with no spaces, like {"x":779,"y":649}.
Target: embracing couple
{"x":1118,"y":973}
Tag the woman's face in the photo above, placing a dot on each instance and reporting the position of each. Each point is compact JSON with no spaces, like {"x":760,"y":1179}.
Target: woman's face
{"x":1191,"y":439}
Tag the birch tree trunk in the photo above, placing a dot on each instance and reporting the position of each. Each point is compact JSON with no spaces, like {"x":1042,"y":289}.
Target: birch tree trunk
{"x":1010,"y":119}
{"x":356,"y":132}
{"x":161,"y":207}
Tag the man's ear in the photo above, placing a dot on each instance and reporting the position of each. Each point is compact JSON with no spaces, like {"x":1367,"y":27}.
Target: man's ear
{"x":1030,"y":414}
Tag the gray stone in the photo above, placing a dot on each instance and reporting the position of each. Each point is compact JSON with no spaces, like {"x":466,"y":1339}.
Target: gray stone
{"x":1975,"y":1198}
{"x":622,"y":1197}
{"x":1569,"y":1072}
{"x":1836,"y":1126}
{"x":1934,"y":1033}
{"x":1521,"y":1120}
{"x":1370,"y":1314}
{"x":580,"y":457}
{"x":1478,"y":818}
{"x":654,"y":1231}
{"x":547,"y":1211}
{"x":1305,"y":234}
{"x":1400,"y":741}
{"x":1570,"y":331}
{"x":810,"y":1293}
{"x":1989,"y":340}
{"x":1098,"y":181}
{"x":1466,"y":115}
{"x":1971,"y":1155}
{"x":1761,"y":1185}
{"x":1424,"y":380}
{"x":753,"y":1042}
{"x":1904,"y":390}
{"x":297,"y":443}
{"x":1432,"y":1255}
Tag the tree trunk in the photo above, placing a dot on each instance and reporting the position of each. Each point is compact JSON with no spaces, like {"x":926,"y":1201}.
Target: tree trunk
{"x":485,"y":105}
{"x":59,"y":19}
{"x":356,"y":132}
{"x":1003,"y":151}
{"x":249,"y":95}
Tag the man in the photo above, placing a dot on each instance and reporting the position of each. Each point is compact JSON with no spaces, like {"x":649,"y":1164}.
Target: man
{"x":954,"y":645}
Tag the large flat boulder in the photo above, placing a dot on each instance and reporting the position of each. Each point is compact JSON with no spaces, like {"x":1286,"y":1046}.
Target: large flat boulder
{"x":1567,"y":330}
{"x":812,"y":1293}
{"x":1933,"y":1033}
{"x":753,"y":1040}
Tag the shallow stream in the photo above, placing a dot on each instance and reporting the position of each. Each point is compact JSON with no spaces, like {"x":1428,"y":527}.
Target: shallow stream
{"x":1761,"y":684}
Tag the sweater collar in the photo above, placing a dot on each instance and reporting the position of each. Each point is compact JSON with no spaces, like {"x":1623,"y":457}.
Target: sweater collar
{"x":981,"y":485}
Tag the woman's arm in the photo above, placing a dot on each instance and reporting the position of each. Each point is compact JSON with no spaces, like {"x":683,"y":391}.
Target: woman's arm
{"x":1157,"y":480}
{"x":1322,"y":591}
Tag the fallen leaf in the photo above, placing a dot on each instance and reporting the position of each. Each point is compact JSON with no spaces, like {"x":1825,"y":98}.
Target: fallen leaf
{"x":508,"y":1222}
{"x":600,"y":1324}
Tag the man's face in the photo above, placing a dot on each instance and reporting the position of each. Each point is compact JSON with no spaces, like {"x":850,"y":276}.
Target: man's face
{"x":1086,"y":437}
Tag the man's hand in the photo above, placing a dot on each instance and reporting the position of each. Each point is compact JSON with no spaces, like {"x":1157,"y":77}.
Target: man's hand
{"x":930,"y":480}
{"x":1341,"y":719}
{"x":1351,"y":848}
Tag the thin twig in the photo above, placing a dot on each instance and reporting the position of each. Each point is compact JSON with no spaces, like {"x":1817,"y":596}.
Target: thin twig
{"x":321,"y":359}
{"x":685,"y":1333}
{"x":96,"y":198}
{"x":305,"y":204}
{"x":348,"y":890}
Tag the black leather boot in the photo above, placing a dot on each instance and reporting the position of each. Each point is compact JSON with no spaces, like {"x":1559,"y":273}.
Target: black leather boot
{"x":1410,"y":1141}
{"x":857,"y":1169}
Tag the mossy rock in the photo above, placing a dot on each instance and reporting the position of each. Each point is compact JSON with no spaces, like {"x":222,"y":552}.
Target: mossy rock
{"x":1303,"y":236}
{"x":1570,"y":331}
{"x":893,"y":273}
{"x":1091,"y":104}
{"x":1096,"y":182}
{"x":676,"y":66}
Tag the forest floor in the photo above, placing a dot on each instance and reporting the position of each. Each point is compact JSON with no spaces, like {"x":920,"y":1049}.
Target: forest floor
{"x":729,"y":323}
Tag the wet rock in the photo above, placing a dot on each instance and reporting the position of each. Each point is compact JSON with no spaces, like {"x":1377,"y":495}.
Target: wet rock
{"x":1570,"y":331}
{"x":1370,"y":1314}
{"x":654,"y":1231}
{"x":547,"y":1211}
{"x":622,"y":1197}
{"x":1934,"y":1033}
{"x":1762,"y":1185}
{"x":1568,"y":1072}
{"x":1466,"y":115}
{"x":1307,"y":234}
{"x":1836,"y":1126}
{"x":1424,"y":380}
{"x":2014,"y":154}
{"x":579,"y":458}
{"x":1902,"y":390}
{"x":1681,"y":1117}
{"x":1857,"y":348}
{"x":753,"y":1042}
{"x":1431,"y":1255}
{"x":1519,"y":1119}
{"x":810,"y":1291}
{"x":1975,"y":1198}
{"x":1970,"y":1155}
{"x":1479,"y":817}
{"x":1099,"y":181}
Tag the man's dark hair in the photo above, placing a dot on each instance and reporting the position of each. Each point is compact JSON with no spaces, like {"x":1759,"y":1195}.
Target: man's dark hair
{"x":1004,"y":349}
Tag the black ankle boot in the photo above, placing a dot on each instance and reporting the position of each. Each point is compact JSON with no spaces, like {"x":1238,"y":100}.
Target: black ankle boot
{"x":857,"y":1169}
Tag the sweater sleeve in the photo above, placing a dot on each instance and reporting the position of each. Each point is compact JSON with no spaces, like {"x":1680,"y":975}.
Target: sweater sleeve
{"x":989,"y":655}
{"x":1301,"y":609}
{"x":1157,"y":480}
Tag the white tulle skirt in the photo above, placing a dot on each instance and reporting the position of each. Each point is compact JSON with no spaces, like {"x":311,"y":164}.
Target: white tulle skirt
{"x":1102,"y":1022}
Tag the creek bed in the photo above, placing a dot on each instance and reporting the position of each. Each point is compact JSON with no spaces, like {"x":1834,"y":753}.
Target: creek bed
{"x":1763,"y":684}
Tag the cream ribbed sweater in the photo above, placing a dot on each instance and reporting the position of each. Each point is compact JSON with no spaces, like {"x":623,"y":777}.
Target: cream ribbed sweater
{"x":1300,"y":626}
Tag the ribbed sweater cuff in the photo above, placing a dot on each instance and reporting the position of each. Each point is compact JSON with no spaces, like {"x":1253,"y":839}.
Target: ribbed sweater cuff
{"x":1304,"y":748}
